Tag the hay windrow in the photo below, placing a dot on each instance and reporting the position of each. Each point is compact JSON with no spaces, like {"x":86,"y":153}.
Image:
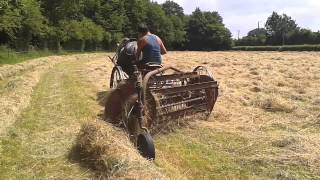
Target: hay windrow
{"x":104,"y":148}
{"x":7,"y":71}
{"x":111,"y":155}
{"x":18,"y":82}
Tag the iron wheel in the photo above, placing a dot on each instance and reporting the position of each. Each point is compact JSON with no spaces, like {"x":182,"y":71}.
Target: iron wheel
{"x":117,"y":76}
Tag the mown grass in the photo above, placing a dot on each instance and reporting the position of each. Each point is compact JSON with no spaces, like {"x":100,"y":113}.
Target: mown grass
{"x":252,"y":134}
{"x":205,"y":153}
{"x":255,"y":131}
{"x":39,"y":143}
{"x":185,"y":154}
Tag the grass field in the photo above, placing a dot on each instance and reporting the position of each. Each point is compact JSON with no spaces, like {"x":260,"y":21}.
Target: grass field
{"x":8,"y":56}
{"x":265,"y":125}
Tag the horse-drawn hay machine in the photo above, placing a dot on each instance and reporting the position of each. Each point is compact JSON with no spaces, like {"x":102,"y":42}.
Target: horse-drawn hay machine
{"x":145,"y":97}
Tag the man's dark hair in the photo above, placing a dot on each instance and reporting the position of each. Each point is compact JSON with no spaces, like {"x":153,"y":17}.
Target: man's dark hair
{"x":143,"y":28}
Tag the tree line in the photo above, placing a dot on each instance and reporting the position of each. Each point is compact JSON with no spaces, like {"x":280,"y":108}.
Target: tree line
{"x":279,"y":30}
{"x":100,"y":24}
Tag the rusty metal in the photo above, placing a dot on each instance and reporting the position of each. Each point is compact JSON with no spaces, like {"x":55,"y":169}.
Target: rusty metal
{"x":154,"y":95}
{"x":178,"y":94}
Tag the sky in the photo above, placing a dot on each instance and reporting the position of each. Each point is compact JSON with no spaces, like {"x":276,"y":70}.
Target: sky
{"x":244,"y":15}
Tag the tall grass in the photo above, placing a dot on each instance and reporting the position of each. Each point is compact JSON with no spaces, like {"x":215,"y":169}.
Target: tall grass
{"x":9,"y":56}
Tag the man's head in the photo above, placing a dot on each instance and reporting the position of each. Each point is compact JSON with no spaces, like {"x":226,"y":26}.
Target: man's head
{"x":142,"y":29}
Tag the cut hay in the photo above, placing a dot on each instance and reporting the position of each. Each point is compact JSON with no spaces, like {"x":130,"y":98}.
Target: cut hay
{"x":111,"y":155}
{"x":7,"y":71}
{"x":284,"y":142}
{"x":18,"y":85}
{"x":274,"y":104}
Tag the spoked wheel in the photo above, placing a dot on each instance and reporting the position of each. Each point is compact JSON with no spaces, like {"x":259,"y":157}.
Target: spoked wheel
{"x":211,"y":94}
{"x":117,"y":76}
{"x":202,"y":70}
{"x":140,"y":137}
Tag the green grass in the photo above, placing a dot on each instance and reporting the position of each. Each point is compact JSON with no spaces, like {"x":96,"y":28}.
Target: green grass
{"x":210,"y":154}
{"x":9,"y":56}
{"x":39,"y":143}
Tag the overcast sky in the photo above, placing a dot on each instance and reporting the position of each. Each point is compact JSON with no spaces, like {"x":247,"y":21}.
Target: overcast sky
{"x":244,"y":15}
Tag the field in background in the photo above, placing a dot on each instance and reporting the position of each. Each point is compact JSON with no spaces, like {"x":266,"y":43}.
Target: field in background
{"x":9,"y":56}
{"x":307,"y":47}
{"x":265,"y":124}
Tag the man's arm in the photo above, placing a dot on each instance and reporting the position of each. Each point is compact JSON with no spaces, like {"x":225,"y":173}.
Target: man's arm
{"x":162,"y":47}
{"x":141,"y":43}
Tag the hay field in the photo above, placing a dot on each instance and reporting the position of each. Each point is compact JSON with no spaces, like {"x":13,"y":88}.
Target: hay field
{"x":265,"y":125}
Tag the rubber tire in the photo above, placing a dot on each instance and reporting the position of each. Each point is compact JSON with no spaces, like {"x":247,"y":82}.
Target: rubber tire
{"x":144,"y":140}
{"x":145,"y":146}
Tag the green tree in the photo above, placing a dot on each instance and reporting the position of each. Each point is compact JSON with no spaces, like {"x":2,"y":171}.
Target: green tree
{"x":207,"y":32}
{"x":278,"y":27}
{"x":174,"y":13}
{"x":136,"y":13}
{"x":172,"y":9}
{"x":92,"y":33}
{"x":111,"y":16}
{"x":72,"y":9}
{"x":251,"y":41}
{"x":255,"y":37}
{"x":302,"y":36}
{"x":91,"y":8}
{"x":52,"y":11}
{"x":10,"y":21}
{"x":58,"y":12}
{"x":159,"y":23}
{"x":32,"y":24}
{"x":317,"y":37}
{"x":81,"y":32}
{"x":257,"y":32}
{"x":179,"y":33}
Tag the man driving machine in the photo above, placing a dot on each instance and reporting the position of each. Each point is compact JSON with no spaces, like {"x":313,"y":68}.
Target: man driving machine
{"x":150,"y":46}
